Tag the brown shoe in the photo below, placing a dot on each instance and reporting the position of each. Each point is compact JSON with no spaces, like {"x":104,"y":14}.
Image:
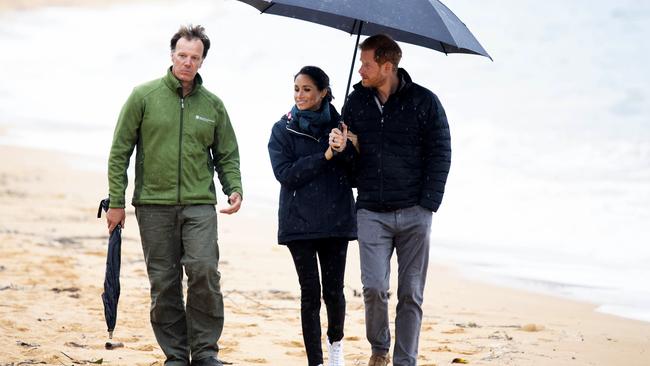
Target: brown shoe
{"x":379,"y":360}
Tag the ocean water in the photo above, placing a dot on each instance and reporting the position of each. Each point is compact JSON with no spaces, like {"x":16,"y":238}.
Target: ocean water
{"x":550,"y":182}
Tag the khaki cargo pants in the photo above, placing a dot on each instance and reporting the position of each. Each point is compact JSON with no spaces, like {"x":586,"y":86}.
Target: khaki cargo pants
{"x":173,"y":238}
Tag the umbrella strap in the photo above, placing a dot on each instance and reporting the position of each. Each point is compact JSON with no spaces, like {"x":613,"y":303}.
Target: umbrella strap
{"x":103,"y":205}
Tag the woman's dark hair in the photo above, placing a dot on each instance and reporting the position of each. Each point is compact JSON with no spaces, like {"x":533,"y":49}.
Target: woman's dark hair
{"x":319,"y":77}
{"x":191,"y":32}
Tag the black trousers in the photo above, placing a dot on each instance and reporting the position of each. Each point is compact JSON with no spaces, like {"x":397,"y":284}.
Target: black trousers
{"x":331,"y":253}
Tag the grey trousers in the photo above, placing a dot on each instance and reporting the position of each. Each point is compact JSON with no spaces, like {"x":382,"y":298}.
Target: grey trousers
{"x":407,"y":232}
{"x":173,"y":238}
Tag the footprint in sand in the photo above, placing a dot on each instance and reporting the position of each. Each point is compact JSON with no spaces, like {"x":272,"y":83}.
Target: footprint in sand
{"x":295,"y":344}
{"x":458,"y":351}
{"x":130,"y":340}
{"x":246,"y":325}
{"x":256,"y":360}
{"x":300,"y":353}
{"x":238,"y":311}
{"x":454,"y":331}
{"x":441,"y":349}
{"x":532,"y":327}
{"x":95,"y":253}
{"x":248,"y":334}
{"x":228,"y":346}
{"x":282,"y":295}
{"x":75,"y":327}
{"x":145,"y":347}
{"x":228,"y":343}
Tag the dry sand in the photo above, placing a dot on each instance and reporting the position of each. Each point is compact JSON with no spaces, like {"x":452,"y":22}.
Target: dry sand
{"x":52,"y":253}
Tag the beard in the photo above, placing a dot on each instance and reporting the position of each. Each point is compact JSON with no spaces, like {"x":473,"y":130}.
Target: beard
{"x":374,"y":82}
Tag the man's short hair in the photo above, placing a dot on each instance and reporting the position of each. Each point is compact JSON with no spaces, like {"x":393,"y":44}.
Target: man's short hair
{"x":386,"y":49}
{"x":191,"y":32}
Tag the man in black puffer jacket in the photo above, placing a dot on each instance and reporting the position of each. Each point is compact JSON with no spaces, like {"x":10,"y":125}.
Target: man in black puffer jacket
{"x":401,"y":133}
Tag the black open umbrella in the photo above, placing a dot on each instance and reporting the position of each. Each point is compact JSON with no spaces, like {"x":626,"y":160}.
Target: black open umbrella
{"x":111,"y":294}
{"x":427,"y":23}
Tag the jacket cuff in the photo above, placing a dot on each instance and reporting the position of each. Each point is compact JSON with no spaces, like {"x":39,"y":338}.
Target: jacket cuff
{"x":237,"y":190}
{"x":116,"y":202}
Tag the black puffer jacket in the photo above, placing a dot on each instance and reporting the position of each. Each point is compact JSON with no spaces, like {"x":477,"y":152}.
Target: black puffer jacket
{"x":405,"y":150}
{"x":316,"y":199}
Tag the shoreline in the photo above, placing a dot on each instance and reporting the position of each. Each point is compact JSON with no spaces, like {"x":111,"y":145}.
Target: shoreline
{"x":561,"y":290}
{"x":52,"y":255}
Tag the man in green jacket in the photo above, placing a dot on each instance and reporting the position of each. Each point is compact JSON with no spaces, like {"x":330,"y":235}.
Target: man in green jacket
{"x":183,"y":135}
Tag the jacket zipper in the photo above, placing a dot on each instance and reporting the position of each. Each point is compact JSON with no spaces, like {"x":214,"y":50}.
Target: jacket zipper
{"x":303,"y":134}
{"x":381,"y":150}
{"x":381,"y":159}
{"x":180,"y":149}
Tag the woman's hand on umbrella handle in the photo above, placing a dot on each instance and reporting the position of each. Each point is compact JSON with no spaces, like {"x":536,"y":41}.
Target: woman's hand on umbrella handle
{"x":339,"y":138}
{"x":114,"y":217}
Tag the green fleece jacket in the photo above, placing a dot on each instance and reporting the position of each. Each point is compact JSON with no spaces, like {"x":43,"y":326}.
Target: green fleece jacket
{"x":180,"y":143}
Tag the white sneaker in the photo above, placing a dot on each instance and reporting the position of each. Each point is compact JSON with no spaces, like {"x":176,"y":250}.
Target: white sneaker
{"x":335,"y":352}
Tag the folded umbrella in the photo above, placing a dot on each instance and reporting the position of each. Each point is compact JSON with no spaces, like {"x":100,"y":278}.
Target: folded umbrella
{"x":111,"y":294}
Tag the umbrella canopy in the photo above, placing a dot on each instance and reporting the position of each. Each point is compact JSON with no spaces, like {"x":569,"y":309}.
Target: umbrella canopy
{"x":426,"y":23}
{"x":111,"y":294}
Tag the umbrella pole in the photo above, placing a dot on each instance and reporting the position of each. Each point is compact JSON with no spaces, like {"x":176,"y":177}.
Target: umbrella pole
{"x":354,"y":57}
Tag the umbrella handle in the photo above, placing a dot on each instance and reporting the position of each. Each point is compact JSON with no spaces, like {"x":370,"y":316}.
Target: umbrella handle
{"x":103,"y":205}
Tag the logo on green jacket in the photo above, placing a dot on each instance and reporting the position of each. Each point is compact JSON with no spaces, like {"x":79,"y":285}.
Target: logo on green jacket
{"x":204,"y":119}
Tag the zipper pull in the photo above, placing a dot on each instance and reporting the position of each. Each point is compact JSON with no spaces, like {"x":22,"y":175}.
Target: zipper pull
{"x":182,"y":103}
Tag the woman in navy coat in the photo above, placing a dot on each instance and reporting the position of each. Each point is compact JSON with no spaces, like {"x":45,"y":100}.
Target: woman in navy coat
{"x":316,"y":214}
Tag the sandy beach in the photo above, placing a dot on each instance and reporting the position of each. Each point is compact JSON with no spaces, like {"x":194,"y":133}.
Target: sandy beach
{"x":52,"y":253}
{"x":52,"y":260}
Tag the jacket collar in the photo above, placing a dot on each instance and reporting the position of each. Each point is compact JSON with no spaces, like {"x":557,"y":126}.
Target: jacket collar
{"x":291,"y":123}
{"x":174,"y":84}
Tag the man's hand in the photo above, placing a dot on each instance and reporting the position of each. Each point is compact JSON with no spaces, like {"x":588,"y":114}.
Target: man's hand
{"x":354,"y":140}
{"x":114,"y":217}
{"x":235,"y":203}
